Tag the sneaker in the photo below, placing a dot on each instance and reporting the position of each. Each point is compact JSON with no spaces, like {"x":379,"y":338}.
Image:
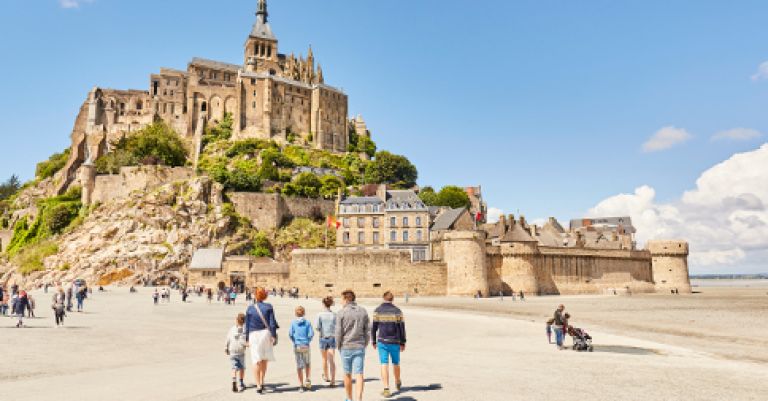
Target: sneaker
{"x":242,"y":387}
{"x":308,"y":385}
{"x":332,"y":385}
{"x":260,"y":389}
{"x":386,"y":393}
{"x":301,"y":389}
{"x":325,"y":378}
{"x":234,"y":386}
{"x":399,"y":385}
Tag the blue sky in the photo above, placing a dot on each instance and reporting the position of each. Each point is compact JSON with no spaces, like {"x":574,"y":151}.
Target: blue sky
{"x":547,"y":104}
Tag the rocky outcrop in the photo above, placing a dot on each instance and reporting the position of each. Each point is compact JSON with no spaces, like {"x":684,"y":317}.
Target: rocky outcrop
{"x":152,"y":234}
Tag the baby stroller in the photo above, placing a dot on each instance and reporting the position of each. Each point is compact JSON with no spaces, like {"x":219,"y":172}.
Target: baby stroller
{"x":582,"y":341}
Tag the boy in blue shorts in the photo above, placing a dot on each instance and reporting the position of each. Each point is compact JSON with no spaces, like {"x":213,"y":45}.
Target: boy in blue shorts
{"x":388,"y":336}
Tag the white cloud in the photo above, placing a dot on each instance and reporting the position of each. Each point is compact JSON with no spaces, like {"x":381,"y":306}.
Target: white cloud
{"x":494,"y":214}
{"x":762,"y":72}
{"x":73,"y":3}
{"x":738,"y":134}
{"x":725,"y":217}
{"x":666,"y":138}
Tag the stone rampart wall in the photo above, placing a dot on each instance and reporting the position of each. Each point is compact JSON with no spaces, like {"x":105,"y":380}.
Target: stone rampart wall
{"x":318,"y":272}
{"x":266,"y":211}
{"x":140,"y":178}
{"x":569,"y":271}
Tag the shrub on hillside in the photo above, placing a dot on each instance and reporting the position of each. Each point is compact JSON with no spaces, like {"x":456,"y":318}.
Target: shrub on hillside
{"x":154,"y":144}
{"x":51,"y":166}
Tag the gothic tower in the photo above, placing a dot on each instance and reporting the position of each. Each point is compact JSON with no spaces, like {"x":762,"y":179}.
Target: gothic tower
{"x":261,"y":45}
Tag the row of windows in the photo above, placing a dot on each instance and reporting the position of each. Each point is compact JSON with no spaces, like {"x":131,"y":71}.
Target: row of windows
{"x":393,"y":237}
{"x":375,"y":221}
{"x":361,"y":208}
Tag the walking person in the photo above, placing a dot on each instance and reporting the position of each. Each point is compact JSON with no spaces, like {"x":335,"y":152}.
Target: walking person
{"x":558,"y":323}
{"x":522,"y":296}
{"x":549,"y":330}
{"x":30,"y":306}
{"x":235,"y":349}
{"x":388,"y":336}
{"x":69,"y":298}
{"x":80,"y":298}
{"x":301,"y":335}
{"x":326,"y":329}
{"x":352,"y":337}
{"x":155,"y":296}
{"x":58,"y":306}
{"x":209,"y":294}
{"x":261,"y":335}
{"x":21,"y":306}
{"x":3,"y":301}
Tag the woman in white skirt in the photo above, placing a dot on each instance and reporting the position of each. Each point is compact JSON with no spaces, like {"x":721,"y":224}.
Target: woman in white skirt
{"x":261,"y":335}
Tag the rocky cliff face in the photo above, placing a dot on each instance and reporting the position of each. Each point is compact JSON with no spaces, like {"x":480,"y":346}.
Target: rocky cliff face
{"x":146,"y":236}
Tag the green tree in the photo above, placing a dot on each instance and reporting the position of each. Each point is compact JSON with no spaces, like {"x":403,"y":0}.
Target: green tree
{"x":330,"y":185}
{"x":428,"y":196}
{"x":388,"y":168}
{"x":9,"y":187}
{"x":51,"y":166}
{"x":304,"y":184}
{"x":156,"y":143}
{"x":366,"y":145}
{"x":241,"y":180}
{"x":261,"y":245}
{"x":452,"y":196}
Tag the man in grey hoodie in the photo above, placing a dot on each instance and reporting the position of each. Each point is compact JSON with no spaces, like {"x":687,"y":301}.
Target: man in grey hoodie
{"x":352,"y":337}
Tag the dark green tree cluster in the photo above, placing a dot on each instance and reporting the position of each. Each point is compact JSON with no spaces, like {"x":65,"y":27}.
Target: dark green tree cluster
{"x":154,"y":144}
{"x":449,"y":195}
{"x":388,"y":168}
{"x":361,"y":143}
{"x":311,"y":186}
{"x":9,"y":187}
{"x":51,"y":166}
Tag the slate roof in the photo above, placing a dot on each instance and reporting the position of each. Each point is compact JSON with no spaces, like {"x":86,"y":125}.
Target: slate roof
{"x":219,"y":65}
{"x":207,"y":259}
{"x":362,"y":200}
{"x":446,"y":219}
{"x":516,"y":233}
{"x":261,"y":29}
{"x":404,"y":199}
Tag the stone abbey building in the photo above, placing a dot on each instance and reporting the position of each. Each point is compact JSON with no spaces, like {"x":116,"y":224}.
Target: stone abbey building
{"x":270,"y":95}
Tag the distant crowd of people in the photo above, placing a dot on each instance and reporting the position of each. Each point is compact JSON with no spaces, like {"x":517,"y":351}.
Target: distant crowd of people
{"x":18,"y":303}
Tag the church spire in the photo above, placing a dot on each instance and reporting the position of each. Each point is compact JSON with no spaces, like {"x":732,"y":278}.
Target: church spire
{"x":261,"y":12}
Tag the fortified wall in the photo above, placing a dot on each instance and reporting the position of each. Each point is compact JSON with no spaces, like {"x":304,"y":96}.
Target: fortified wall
{"x":317,"y":272}
{"x":104,"y":188}
{"x":267,"y":211}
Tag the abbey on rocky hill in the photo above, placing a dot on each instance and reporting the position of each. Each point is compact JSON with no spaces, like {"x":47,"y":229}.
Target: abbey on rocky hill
{"x":270,"y":96}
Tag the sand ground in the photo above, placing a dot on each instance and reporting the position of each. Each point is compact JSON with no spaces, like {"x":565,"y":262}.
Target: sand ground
{"x":705,"y":346}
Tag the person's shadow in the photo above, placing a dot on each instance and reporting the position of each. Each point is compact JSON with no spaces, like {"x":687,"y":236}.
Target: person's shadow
{"x":416,"y":389}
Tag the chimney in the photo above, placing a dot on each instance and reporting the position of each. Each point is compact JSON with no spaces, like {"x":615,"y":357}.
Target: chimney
{"x":381,"y":192}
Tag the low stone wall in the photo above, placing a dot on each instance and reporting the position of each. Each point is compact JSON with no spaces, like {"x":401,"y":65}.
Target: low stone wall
{"x":140,"y":178}
{"x":569,"y":271}
{"x":318,"y":272}
{"x":266,"y":211}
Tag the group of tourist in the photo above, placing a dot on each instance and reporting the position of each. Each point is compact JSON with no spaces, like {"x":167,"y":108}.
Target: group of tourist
{"x":18,"y":303}
{"x":349,"y":331}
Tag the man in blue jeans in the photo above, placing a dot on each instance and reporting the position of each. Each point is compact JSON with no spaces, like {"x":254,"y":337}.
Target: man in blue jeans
{"x":557,"y":325}
{"x":388,"y":335}
{"x":352,"y":336}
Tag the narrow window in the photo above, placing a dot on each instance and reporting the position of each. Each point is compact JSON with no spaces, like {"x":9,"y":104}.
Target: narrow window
{"x":375,"y":237}
{"x":393,"y":236}
{"x":418,"y":235}
{"x":405,"y":221}
{"x":405,"y":236}
{"x":361,"y":237}
{"x":418,"y":221}
{"x":392,"y":221}
{"x":346,"y":237}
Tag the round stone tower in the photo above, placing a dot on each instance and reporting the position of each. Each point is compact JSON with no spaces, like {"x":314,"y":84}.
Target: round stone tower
{"x":464,"y":256}
{"x":669,"y":264}
{"x":519,"y":266}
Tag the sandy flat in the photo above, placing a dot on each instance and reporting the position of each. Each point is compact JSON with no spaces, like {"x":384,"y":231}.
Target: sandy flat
{"x":125,"y":348}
